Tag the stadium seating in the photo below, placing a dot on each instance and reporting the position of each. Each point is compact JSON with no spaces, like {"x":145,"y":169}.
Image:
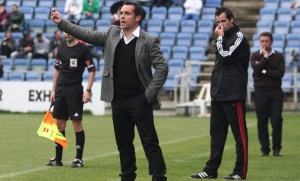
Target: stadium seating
{"x":33,"y":76}
{"x":38,"y":65}
{"x":47,"y":76}
{"x":37,"y":25}
{"x":29,"y":3}
{"x":208,"y":13}
{"x":264,"y":26}
{"x":288,"y":51}
{"x":50,"y":26}
{"x":281,"y":27}
{"x":278,"y":40}
{"x":167,"y":39}
{"x":268,"y":14}
{"x":170,"y":83}
{"x":166,"y":50}
{"x":205,"y":26}
{"x":286,"y":83}
{"x":201,"y":39}
{"x":284,"y":14}
{"x":6,"y":62}
{"x":197,"y":53}
{"x":175,"y":13}
{"x":21,"y":65}
{"x":159,"y":12}
{"x":28,"y":12}
{"x":213,"y":3}
{"x":295,"y":27}
{"x":11,"y":2}
{"x":286,"y":3}
{"x":147,"y":12}
{"x":155,"y":25}
{"x":87,"y":23}
{"x":272,"y":3}
{"x":42,"y":13}
{"x":184,"y":39}
{"x":292,"y":40}
{"x":188,"y":26}
{"x":176,"y":66}
{"x":60,"y":3}
{"x":105,"y":13}
{"x":171,"y":26}
{"x":180,"y":52}
{"x":103,"y":24}
{"x":46,"y":3}
{"x":16,"y":76}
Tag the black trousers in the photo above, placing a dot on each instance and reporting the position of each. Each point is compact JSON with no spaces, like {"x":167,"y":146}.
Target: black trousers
{"x":223,"y":114}
{"x":128,"y":113}
{"x":268,"y":105}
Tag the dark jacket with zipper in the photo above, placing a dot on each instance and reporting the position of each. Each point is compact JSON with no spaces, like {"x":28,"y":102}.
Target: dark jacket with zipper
{"x":230,"y":75}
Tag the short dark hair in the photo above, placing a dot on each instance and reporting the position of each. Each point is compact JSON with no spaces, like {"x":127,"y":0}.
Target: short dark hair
{"x":268,"y":34}
{"x":227,"y":11}
{"x":39,"y":35}
{"x":138,"y":10}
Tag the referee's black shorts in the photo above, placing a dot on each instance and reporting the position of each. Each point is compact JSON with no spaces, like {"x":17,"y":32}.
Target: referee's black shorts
{"x":68,"y":102}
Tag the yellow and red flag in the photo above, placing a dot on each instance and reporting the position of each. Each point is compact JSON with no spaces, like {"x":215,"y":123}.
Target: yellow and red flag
{"x":48,"y":129}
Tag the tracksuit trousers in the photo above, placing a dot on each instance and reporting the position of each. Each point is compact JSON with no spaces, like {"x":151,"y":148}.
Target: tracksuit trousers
{"x":224,"y":114}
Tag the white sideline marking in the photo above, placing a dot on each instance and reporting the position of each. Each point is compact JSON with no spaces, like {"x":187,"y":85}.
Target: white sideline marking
{"x":9,"y":175}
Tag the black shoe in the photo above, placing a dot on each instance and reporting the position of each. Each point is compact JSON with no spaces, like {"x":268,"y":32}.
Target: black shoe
{"x":77,"y":163}
{"x":233,"y":176}
{"x":203,"y":175}
{"x":277,"y":153}
{"x":53,"y":162}
{"x":264,"y":154}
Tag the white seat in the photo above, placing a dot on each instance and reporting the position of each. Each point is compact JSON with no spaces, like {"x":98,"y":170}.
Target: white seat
{"x":203,"y":101}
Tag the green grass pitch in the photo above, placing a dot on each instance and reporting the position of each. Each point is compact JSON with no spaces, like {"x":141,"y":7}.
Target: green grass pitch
{"x":184,"y":141}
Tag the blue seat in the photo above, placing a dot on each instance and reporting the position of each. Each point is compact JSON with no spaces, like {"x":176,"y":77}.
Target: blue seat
{"x":21,"y":65}
{"x":208,"y":13}
{"x":293,"y":40}
{"x":153,"y":33}
{"x":213,"y":3}
{"x":38,"y":64}
{"x":255,"y":40}
{"x":37,"y":25}
{"x":180,"y":52}
{"x":286,"y":3}
{"x":11,"y":2}
{"x":188,"y":26}
{"x":6,"y":62}
{"x":278,"y":40}
{"x":166,"y":50}
{"x":205,"y":26}
{"x":28,"y":12}
{"x":268,"y":14}
{"x":87,"y":23}
{"x":197,"y":53}
{"x":4,"y":77}
{"x":155,"y":25}
{"x":278,"y":48}
{"x":284,"y":14}
{"x":184,"y":39}
{"x":29,"y":3}
{"x":175,"y":12}
{"x":105,"y":13}
{"x":176,"y":66}
{"x":46,"y":3}
{"x":159,"y":12}
{"x":50,"y":64}
{"x":50,"y":26}
{"x":47,"y":76}
{"x":103,"y":24}
{"x":272,"y":3}
{"x":170,"y":83}
{"x":264,"y":26}
{"x":200,"y":39}
{"x":295,"y":27}
{"x":167,"y":39}
{"x":61,"y":10}
{"x":16,"y":76}
{"x":108,"y":3}
{"x":171,"y":26}
{"x":60,"y":3}
{"x":281,"y":27}
{"x":254,"y":49}
{"x":33,"y":76}
{"x":297,"y":15}
{"x":42,"y":13}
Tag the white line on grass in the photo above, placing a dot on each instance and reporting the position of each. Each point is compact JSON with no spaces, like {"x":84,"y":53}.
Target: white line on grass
{"x":9,"y":175}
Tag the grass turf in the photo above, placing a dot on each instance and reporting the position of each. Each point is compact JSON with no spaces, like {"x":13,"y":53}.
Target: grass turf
{"x":184,"y":141}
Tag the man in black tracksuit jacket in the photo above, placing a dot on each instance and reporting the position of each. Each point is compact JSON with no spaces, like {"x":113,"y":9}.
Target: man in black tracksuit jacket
{"x":228,"y":93}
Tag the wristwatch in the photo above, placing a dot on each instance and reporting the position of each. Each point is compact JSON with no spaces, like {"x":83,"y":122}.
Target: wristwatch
{"x":89,"y":90}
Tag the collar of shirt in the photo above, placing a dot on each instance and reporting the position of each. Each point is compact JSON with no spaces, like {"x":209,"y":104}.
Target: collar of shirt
{"x":135,"y":33}
{"x":271,"y":53}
